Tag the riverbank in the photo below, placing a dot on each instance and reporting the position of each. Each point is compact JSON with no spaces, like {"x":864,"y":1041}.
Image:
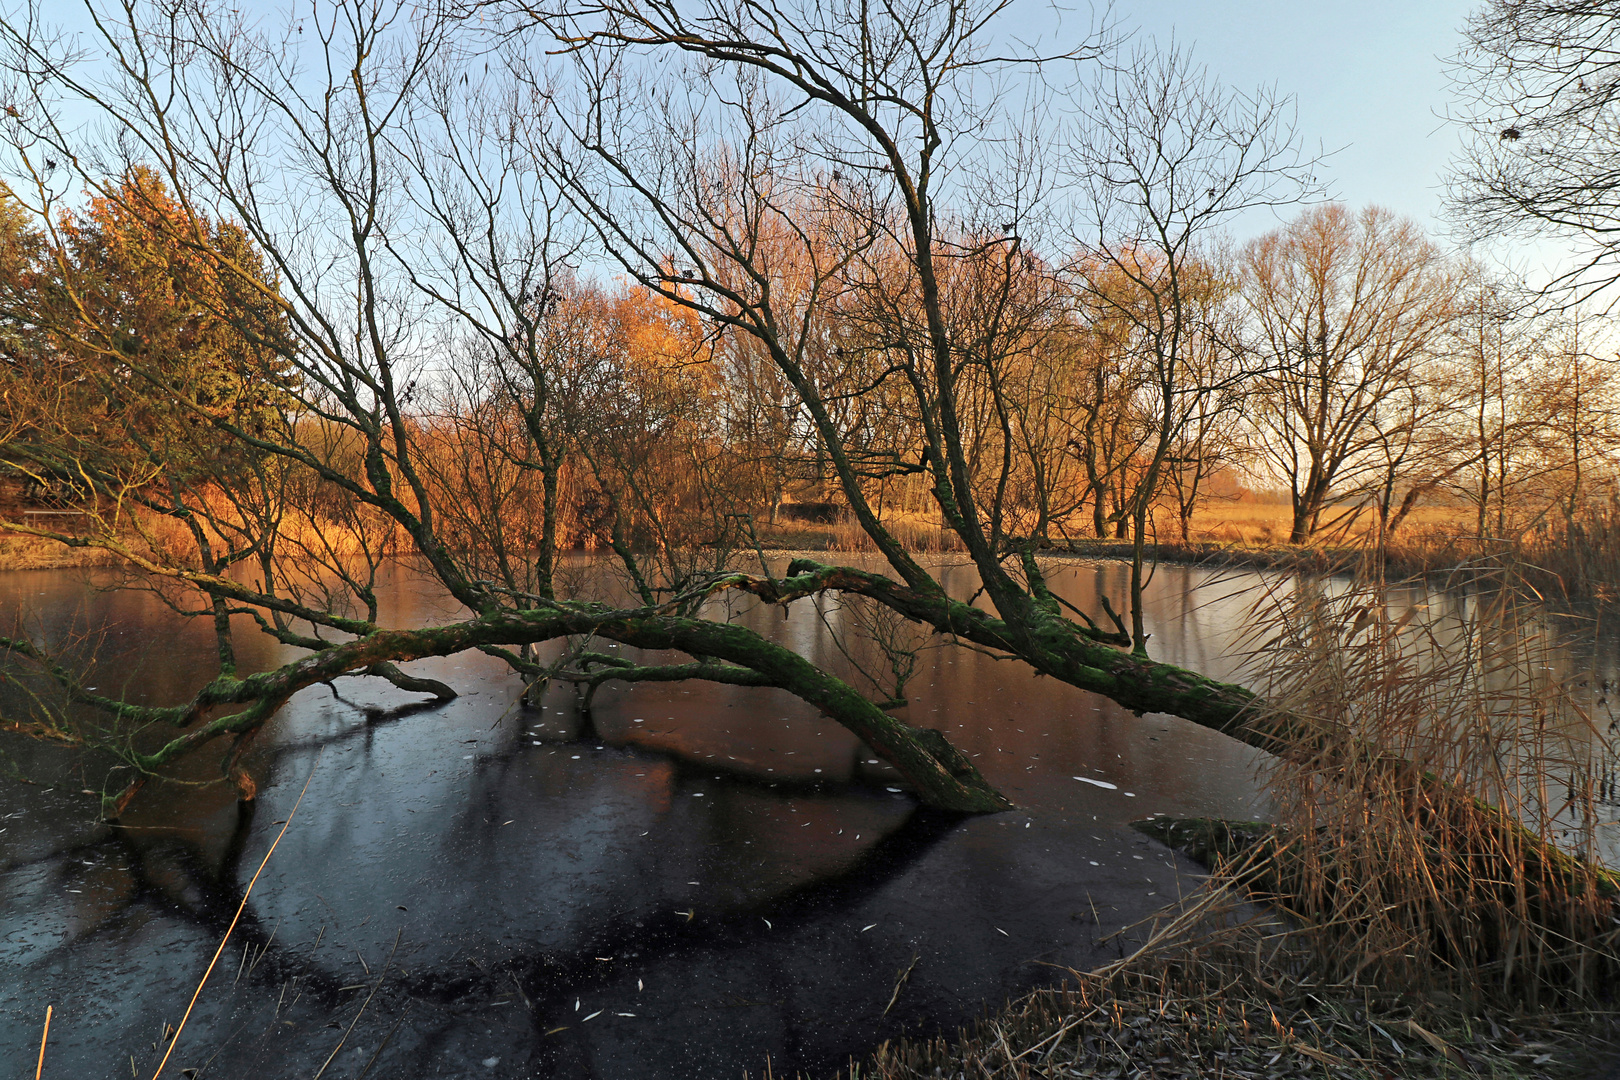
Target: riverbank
{"x":1242,"y":1003}
{"x":1221,"y":989}
{"x":21,"y":552}
{"x":1580,"y":567}
{"x":1431,"y":549}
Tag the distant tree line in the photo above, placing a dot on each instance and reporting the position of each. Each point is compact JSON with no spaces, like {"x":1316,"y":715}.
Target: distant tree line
{"x":1343,"y":357}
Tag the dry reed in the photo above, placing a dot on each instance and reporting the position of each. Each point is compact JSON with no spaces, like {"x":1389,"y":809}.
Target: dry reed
{"x":1577,"y":558}
{"x":174,"y":1039}
{"x":1415,"y":924}
{"x":914,"y":534}
{"x":39,"y":1068}
{"x":1452,"y":757}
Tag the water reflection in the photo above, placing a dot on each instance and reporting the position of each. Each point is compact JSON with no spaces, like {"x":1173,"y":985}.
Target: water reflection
{"x":685,"y":880}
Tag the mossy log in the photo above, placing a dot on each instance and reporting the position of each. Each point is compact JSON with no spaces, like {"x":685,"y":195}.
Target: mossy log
{"x":941,"y":776}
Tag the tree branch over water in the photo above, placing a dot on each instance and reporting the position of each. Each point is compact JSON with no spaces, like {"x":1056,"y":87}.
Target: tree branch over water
{"x":377,"y":331}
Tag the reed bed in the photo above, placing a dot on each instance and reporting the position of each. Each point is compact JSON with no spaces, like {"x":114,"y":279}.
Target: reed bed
{"x":915,"y":534}
{"x":1429,"y":898}
{"x":1577,"y":558}
{"x":1443,"y":828}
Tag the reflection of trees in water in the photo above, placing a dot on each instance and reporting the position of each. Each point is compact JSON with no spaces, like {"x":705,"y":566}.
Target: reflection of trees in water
{"x":582,"y":729}
{"x":177,"y":879}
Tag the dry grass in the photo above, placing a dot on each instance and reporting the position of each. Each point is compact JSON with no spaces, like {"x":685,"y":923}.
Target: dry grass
{"x":1415,"y":923}
{"x":1577,"y":559}
{"x":34,"y":553}
{"x":1247,"y":532}
{"x":1252,"y":522}
{"x":1242,"y":523}
{"x":1241,"y":999}
{"x":1449,"y":759}
{"x":916,"y":532}
{"x":165,"y":538}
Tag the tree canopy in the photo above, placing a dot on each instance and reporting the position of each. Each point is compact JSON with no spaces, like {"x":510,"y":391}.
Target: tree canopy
{"x":140,"y":323}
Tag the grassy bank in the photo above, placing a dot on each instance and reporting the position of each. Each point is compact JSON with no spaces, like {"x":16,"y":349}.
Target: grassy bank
{"x":33,"y":553}
{"x":1576,"y":561}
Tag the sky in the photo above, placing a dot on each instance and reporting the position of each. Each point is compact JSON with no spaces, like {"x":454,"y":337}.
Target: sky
{"x":1369,"y":76}
{"x":1369,"y":79}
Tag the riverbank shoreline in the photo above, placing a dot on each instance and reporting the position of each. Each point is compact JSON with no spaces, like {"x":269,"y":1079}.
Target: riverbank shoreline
{"x":1206,"y":1008}
{"x":21,"y":552}
{"x":26,"y":552}
{"x":1229,"y":982}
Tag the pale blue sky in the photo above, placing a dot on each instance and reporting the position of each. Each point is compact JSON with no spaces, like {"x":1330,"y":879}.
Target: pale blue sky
{"x":1369,"y":78}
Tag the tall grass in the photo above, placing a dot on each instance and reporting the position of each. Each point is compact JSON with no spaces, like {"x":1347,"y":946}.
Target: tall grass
{"x":915,"y":534}
{"x":1441,"y":828}
{"x":1573,"y":559}
{"x":1578,"y":557}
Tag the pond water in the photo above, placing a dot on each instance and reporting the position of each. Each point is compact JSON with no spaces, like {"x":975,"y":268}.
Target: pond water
{"x":692,"y":881}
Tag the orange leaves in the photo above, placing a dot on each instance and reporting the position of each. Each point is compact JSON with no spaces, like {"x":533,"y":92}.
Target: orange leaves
{"x":645,"y":333}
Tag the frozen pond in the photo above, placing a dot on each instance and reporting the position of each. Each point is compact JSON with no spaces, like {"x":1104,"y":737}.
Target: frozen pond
{"x":698,"y":878}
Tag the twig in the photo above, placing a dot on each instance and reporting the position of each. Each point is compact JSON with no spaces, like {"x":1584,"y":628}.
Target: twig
{"x":901,"y":981}
{"x":40,"y":1068}
{"x":263,"y":949}
{"x":374,"y":988}
{"x":374,"y":1054}
{"x":174,"y":1040}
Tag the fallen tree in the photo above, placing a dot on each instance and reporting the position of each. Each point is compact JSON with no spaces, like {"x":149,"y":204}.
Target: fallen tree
{"x":889,"y":314}
{"x":361,"y":454}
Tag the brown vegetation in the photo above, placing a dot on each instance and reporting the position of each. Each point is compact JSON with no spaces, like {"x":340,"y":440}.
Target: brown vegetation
{"x":1408,"y":930}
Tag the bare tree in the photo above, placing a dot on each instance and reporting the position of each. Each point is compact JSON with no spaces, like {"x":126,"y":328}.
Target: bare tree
{"x":394,"y":238}
{"x":1166,"y":156}
{"x":1108,"y":391}
{"x":1537,"y":90}
{"x":1410,"y":452}
{"x":1576,"y":396}
{"x":1495,"y":340}
{"x":1210,"y":440}
{"x":1346,"y":308}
